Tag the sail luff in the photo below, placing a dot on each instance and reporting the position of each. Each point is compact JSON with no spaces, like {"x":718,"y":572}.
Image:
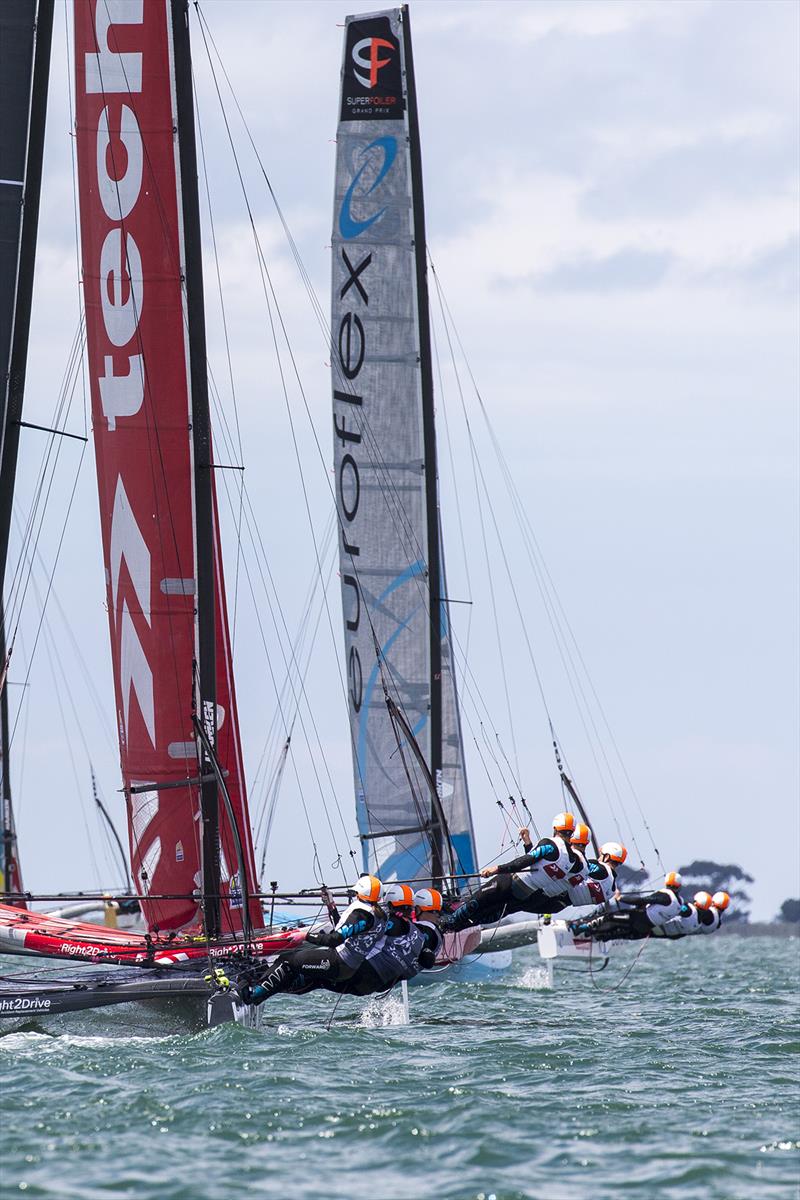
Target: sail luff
{"x":25,"y":39}
{"x":434,"y":575}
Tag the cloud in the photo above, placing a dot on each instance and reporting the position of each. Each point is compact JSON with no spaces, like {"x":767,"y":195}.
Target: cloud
{"x":628,"y":269}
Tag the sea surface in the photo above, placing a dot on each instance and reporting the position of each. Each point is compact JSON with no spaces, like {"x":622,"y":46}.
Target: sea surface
{"x":677,"y":1080}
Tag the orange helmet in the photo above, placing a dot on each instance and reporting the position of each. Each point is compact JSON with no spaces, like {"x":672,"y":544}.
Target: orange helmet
{"x":564,"y":823}
{"x":615,"y":852}
{"x":720,"y":900}
{"x":428,"y":900}
{"x":398,"y":895}
{"x":581,"y":836}
{"x":672,"y":879}
{"x":702,"y":900}
{"x":368,"y":888}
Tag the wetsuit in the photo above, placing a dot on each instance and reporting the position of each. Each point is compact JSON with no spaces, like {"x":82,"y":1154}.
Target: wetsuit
{"x":635,"y":915}
{"x":405,"y":950}
{"x":332,"y":959}
{"x":710,"y":919}
{"x":536,"y":882}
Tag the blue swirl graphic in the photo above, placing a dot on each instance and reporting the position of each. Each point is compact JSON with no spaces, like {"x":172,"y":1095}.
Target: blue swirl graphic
{"x":349,"y":227}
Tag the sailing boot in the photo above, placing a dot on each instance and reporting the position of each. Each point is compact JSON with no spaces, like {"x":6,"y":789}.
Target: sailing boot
{"x":278,"y":980}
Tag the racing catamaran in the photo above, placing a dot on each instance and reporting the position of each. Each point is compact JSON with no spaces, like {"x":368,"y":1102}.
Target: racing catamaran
{"x":188,"y":824}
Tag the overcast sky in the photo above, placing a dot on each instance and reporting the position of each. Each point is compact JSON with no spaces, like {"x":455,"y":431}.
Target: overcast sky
{"x":612,"y":206}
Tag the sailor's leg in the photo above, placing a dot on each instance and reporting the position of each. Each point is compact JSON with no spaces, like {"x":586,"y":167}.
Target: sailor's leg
{"x":297,"y":971}
{"x":484,"y":908}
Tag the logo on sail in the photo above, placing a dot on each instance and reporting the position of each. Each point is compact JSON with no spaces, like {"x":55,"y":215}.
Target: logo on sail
{"x":372,"y":87}
{"x":350,"y":226}
{"x":365,"y":55}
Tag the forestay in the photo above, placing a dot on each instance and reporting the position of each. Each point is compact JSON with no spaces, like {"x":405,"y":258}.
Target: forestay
{"x":145,"y":364}
{"x":397,"y":633}
{"x":25,"y":36}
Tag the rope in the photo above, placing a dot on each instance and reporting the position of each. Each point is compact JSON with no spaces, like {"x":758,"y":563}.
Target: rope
{"x":618,"y":985}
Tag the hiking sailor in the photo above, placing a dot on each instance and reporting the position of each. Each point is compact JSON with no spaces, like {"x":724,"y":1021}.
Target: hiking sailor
{"x":701,"y":916}
{"x":601,"y":883}
{"x":535,"y":882}
{"x":327,"y":957}
{"x":397,"y":954}
{"x":636,"y":914}
{"x":719,"y":902}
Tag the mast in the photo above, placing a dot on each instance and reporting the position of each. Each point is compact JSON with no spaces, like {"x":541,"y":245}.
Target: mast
{"x":25,"y":37}
{"x":206,"y":686}
{"x":429,"y":431}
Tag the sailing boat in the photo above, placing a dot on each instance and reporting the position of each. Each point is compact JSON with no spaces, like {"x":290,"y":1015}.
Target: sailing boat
{"x":412,"y":797}
{"x":189,"y":831}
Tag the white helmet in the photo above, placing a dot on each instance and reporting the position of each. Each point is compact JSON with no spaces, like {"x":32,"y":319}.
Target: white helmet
{"x":398,"y":895}
{"x":368,"y":888}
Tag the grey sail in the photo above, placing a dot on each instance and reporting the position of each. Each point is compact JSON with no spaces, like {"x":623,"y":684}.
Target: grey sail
{"x":411,"y":790}
{"x":25,"y":35}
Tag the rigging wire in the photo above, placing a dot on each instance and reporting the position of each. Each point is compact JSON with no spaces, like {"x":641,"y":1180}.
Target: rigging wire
{"x":551,"y":599}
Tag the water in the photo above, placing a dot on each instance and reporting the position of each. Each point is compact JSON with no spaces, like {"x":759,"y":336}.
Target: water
{"x":683,"y":1083}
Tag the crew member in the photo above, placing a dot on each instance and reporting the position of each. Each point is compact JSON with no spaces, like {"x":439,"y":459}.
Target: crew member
{"x":327,"y":957}
{"x":601,"y":883}
{"x":719,"y":903}
{"x":397,"y":954}
{"x":701,"y":916}
{"x":632,"y":915}
{"x":535,"y":882}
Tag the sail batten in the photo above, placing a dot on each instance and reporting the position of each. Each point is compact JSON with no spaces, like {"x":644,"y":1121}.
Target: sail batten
{"x":397,"y":640}
{"x":143,"y":298}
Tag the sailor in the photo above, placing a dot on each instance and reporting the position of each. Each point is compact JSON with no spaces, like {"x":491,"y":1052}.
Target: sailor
{"x":535,"y":882}
{"x":719,"y":903}
{"x":601,"y":883}
{"x":701,"y":916}
{"x":428,"y":904}
{"x":359,"y":916}
{"x":394,"y":956}
{"x":327,"y":957}
{"x":636,"y":914}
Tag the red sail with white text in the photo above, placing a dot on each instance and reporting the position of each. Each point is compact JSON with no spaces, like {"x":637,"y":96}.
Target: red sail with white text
{"x":137,"y":336}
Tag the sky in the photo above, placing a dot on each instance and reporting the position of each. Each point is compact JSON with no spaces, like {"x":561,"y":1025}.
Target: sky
{"x":612,"y":208}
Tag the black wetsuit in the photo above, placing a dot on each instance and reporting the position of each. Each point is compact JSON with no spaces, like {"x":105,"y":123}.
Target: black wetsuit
{"x":320,"y":966}
{"x":630,"y":924}
{"x":501,"y":895}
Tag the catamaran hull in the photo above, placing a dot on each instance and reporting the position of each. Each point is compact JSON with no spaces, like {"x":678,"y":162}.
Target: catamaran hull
{"x":25,"y":932}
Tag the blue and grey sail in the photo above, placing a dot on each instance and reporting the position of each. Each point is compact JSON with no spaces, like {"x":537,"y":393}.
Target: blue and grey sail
{"x":411,"y":788}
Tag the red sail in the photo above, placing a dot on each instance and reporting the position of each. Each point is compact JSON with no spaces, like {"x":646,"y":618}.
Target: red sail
{"x":137,"y":333}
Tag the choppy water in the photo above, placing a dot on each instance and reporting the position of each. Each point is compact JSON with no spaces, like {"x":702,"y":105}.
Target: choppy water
{"x":683,"y":1083}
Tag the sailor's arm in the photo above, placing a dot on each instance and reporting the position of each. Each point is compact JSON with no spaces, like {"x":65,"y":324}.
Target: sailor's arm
{"x":543,"y":851}
{"x":359,"y":922}
{"x":641,"y":899}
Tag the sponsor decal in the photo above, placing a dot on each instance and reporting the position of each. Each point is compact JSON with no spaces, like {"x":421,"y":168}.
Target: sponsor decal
{"x":235,"y":891}
{"x":81,"y":951}
{"x":23,"y":1004}
{"x":351,"y":227}
{"x":179,"y":852}
{"x":372,"y":85}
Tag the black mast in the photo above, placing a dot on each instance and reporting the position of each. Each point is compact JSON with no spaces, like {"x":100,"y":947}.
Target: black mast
{"x":205,"y":690}
{"x":429,"y":434}
{"x":25,"y":28}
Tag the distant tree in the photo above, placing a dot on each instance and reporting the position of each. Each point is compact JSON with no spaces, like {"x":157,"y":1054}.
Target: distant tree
{"x":708,"y":876}
{"x":789,"y":912}
{"x":630,"y":877}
